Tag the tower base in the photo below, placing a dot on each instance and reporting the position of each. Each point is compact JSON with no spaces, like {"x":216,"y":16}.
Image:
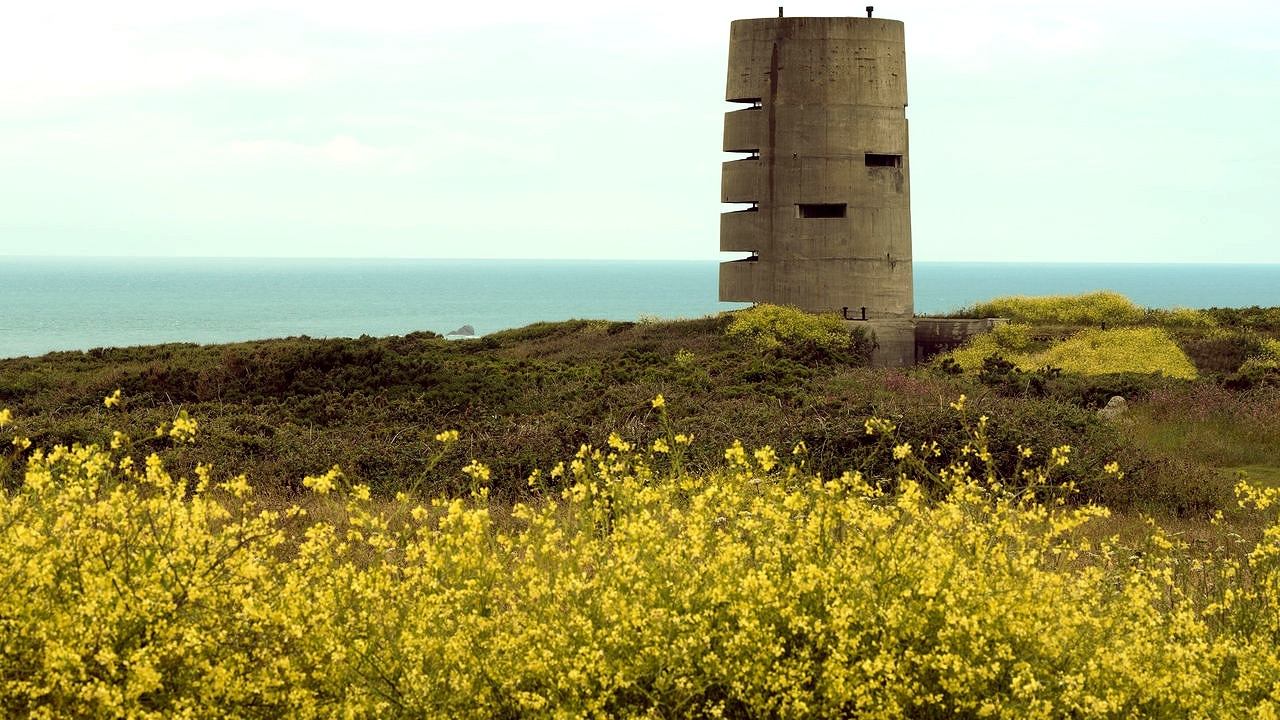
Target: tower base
{"x":893,"y":341}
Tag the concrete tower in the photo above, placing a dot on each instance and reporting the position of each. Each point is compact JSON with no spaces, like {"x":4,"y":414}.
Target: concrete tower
{"x":826,"y":172}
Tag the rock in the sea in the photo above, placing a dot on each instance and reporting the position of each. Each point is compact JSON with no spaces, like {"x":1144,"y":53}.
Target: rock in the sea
{"x":464,"y":331}
{"x":1116,"y":407}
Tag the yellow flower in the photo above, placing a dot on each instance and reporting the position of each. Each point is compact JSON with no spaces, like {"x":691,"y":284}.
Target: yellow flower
{"x":902,"y":451}
{"x":660,"y":446}
{"x":617,"y":443}
{"x":658,"y":401}
{"x":682,"y":439}
{"x":447,"y":436}
{"x":184,"y":428}
{"x":239,"y":486}
{"x":875,"y":425}
{"x":800,"y":448}
{"x":21,"y":443}
{"x":322,"y":484}
{"x":736,"y":455}
{"x":112,"y":400}
{"x":766,"y":458}
{"x":958,"y":405}
{"x":6,"y":417}
{"x":477,"y":470}
{"x":1058,"y":455}
{"x":715,"y":572}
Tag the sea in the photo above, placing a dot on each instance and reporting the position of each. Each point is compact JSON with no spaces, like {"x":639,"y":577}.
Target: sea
{"x":49,"y":304}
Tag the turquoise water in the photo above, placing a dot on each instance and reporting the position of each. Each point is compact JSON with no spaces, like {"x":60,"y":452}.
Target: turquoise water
{"x":59,"y":304}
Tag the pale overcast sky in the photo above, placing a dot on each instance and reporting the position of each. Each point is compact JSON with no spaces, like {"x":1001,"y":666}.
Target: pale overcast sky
{"x":1077,"y":130}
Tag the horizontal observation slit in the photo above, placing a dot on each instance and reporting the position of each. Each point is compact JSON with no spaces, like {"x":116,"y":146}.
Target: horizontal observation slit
{"x":822,"y":210}
{"x":882,"y":160}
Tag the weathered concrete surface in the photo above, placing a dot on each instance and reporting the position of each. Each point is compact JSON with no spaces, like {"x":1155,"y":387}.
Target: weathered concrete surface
{"x":893,"y":340}
{"x":825,"y":124}
{"x":939,"y":335}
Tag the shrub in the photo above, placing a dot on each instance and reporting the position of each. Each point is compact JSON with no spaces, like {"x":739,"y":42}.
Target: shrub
{"x":971,"y":355}
{"x":793,"y":332}
{"x":1088,"y":352}
{"x":1267,"y":359}
{"x":1264,"y":319}
{"x":1262,"y":368}
{"x":1122,"y":350}
{"x":1181,"y":317}
{"x":1096,"y":308}
{"x":1218,"y":350}
{"x":1093,"y":391}
{"x":1013,"y":336}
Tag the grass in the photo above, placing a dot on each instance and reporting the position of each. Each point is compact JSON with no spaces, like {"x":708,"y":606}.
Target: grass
{"x":1201,"y":384}
{"x":1268,"y":475}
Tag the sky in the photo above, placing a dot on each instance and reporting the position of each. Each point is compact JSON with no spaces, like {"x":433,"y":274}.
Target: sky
{"x":1081,"y":130}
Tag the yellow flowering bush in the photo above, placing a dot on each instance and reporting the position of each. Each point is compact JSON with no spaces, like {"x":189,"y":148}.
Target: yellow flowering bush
{"x":1088,"y":352}
{"x":772,"y":327}
{"x":630,"y":588}
{"x":1267,"y":359}
{"x":1013,"y":336}
{"x":1182,"y":318}
{"x":1140,"y":350}
{"x":1093,"y":308}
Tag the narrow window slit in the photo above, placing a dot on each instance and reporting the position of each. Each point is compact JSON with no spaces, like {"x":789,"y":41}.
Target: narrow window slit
{"x":882,"y":160}
{"x":822,"y":210}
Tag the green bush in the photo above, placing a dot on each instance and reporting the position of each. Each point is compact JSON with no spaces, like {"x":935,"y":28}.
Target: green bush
{"x":1218,"y":349}
{"x":1262,"y":368}
{"x":1265,"y":319}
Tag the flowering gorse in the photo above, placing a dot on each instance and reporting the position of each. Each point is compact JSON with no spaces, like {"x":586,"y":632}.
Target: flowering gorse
{"x":1087,"y":352}
{"x":771,"y":327}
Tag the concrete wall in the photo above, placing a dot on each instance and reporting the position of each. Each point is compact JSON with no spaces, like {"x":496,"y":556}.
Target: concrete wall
{"x":893,"y":341}
{"x":939,"y":335}
{"x":819,"y":94}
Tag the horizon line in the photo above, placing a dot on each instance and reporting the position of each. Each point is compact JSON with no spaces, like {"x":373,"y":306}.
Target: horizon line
{"x":26,"y":256}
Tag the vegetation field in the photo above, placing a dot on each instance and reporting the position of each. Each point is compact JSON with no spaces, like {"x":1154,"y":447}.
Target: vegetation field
{"x":724,"y":517}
